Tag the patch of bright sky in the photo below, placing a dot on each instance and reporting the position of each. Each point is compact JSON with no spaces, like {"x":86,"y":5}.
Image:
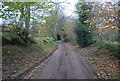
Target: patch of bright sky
{"x":68,"y":7}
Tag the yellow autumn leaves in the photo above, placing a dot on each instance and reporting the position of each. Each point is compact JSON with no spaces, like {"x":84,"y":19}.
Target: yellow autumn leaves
{"x":87,"y":21}
{"x":105,"y":17}
{"x":81,"y":4}
{"x":86,"y":11}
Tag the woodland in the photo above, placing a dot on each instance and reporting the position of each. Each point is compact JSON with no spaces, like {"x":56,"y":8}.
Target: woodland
{"x":31,"y":31}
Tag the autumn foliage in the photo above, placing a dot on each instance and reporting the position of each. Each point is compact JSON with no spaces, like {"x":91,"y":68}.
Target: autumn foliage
{"x":105,"y":16}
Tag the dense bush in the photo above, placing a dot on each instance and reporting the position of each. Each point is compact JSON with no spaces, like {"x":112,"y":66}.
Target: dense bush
{"x":46,"y":41}
{"x":84,"y":37}
{"x":17,"y":36}
{"x":111,"y":46}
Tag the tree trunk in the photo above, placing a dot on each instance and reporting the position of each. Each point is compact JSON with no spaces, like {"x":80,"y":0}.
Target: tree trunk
{"x":22,"y":16}
{"x":27,"y":19}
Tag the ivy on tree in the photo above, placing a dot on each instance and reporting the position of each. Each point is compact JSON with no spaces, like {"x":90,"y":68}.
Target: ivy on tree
{"x":83,"y":28}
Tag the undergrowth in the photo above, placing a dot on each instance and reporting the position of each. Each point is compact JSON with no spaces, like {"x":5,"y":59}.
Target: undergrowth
{"x":113,"y":47}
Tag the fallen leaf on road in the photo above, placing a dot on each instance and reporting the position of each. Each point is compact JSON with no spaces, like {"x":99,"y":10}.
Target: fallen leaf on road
{"x":42,"y":64}
{"x":56,"y":51}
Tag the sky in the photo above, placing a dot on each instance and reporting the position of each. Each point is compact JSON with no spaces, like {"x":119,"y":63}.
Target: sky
{"x":69,"y":9}
{"x":0,"y":21}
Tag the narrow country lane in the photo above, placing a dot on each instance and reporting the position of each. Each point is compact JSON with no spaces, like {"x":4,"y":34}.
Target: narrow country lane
{"x":65,"y":63}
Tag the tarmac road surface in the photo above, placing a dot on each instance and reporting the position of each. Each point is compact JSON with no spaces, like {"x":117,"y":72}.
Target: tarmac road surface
{"x":65,"y":63}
